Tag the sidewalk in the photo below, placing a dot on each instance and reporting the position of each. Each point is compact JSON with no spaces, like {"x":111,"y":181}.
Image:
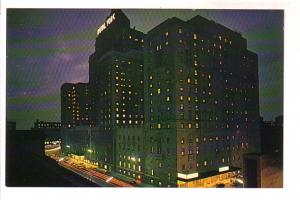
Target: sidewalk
{"x":129,"y":179}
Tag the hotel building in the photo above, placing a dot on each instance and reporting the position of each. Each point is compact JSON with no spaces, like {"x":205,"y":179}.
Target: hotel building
{"x":201,"y":101}
{"x":179,"y":104}
{"x":116,"y":85}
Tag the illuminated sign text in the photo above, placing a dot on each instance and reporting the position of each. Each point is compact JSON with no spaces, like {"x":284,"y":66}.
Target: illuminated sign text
{"x":106,"y":23}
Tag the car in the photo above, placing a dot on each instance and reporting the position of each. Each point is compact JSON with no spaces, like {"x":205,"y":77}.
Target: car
{"x":220,"y":185}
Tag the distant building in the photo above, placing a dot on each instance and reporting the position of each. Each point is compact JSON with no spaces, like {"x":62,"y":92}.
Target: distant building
{"x":50,"y":130}
{"x":10,"y":126}
{"x":75,"y":105}
{"x":263,"y":171}
{"x":272,"y":136}
{"x":46,"y":125}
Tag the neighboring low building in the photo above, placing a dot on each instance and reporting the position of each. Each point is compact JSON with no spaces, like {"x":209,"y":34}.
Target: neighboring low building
{"x":263,"y":171}
{"x":51,"y":130}
{"x":46,"y":125}
{"x":272,"y":136}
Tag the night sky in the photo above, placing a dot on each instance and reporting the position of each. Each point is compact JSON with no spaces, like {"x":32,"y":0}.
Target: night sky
{"x":48,"y":47}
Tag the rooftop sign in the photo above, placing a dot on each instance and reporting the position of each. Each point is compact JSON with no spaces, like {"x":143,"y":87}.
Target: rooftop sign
{"x":106,"y":23}
{"x":223,"y":169}
{"x":187,"y":176}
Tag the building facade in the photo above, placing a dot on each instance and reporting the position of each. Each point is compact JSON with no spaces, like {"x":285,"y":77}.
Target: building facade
{"x":117,"y":99}
{"x":46,"y":125}
{"x":75,"y":105}
{"x":201,"y":100}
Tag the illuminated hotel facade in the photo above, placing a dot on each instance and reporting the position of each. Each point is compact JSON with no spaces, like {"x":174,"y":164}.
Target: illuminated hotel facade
{"x":201,"y":101}
{"x":178,"y":105}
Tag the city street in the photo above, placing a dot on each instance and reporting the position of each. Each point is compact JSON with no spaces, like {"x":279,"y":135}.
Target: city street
{"x":86,"y":170}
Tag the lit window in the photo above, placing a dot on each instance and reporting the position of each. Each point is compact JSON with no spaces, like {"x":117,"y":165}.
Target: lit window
{"x":166,"y":34}
{"x":158,"y":126}
{"x":182,"y":152}
{"x":205,"y":163}
{"x":150,"y":77}
{"x":179,"y":30}
{"x":158,"y":91}
{"x":190,"y":125}
{"x":152,"y":172}
{"x":117,"y":78}
{"x":197,"y":139}
{"x":197,"y":125}
{"x":189,"y":80}
{"x":182,"y":141}
{"x":195,"y":36}
{"x":150,"y":85}
{"x":168,"y":99}
{"x":181,"y":98}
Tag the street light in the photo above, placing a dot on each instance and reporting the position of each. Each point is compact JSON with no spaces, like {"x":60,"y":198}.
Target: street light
{"x":240,"y":181}
{"x":90,"y":150}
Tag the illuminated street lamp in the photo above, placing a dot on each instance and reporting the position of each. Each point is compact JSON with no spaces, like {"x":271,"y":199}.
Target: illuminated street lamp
{"x":90,"y":150}
{"x":240,"y":181}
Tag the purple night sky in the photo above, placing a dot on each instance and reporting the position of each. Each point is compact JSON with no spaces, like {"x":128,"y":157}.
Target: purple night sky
{"x":48,"y":47}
